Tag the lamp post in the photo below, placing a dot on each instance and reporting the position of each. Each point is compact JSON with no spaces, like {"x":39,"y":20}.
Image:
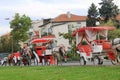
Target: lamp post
{"x":8,"y":19}
{"x":12,"y":49}
{"x":12,"y":44}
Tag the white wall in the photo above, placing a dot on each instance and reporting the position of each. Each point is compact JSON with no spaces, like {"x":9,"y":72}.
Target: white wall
{"x":45,"y":28}
{"x":64,"y":29}
{"x":35,"y":24}
{"x":61,"y":29}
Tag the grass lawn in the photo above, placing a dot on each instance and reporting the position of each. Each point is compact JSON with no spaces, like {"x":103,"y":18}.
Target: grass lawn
{"x":60,"y":73}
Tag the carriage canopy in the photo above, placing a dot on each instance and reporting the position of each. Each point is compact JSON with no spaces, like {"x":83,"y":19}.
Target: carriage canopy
{"x":44,"y":39}
{"x":90,"y":33}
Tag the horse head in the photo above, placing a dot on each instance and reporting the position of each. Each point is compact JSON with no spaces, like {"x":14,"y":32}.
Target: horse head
{"x":116,"y":44}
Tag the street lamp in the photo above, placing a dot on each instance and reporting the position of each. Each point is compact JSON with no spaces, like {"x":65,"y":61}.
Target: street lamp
{"x":12,"y":44}
{"x":11,"y":37}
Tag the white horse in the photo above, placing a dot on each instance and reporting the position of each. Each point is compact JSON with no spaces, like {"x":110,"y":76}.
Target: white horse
{"x":116,"y":46}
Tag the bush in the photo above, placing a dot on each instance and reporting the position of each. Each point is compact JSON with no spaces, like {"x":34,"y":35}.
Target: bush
{"x":84,"y":42}
{"x":72,"y":57}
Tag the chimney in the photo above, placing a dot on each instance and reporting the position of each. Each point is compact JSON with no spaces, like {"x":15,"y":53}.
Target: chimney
{"x":68,"y":14}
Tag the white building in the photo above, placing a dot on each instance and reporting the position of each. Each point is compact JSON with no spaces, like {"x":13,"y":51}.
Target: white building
{"x":35,"y":31}
{"x":62,"y":24}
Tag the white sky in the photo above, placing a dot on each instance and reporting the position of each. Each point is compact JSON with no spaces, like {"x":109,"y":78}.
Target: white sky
{"x":37,"y":9}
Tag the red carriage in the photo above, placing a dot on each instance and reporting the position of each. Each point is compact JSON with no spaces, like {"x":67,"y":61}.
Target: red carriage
{"x":96,"y":45}
{"x":43,"y":51}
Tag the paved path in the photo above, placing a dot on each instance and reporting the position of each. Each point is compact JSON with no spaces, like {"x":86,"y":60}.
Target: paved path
{"x":107,"y":62}
{"x":76,"y":63}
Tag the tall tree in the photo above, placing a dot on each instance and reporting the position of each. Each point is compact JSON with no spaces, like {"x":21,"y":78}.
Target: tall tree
{"x":20,"y":26}
{"x":5,"y":44}
{"x":108,"y":10}
{"x":92,"y":15}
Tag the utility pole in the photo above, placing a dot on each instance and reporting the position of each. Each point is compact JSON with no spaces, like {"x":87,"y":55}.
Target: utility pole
{"x":12,"y":43}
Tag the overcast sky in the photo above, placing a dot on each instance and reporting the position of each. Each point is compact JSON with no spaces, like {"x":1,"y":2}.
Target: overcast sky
{"x":37,"y":9}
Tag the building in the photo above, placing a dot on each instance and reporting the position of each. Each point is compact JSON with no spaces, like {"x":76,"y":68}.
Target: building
{"x":34,"y":29}
{"x":62,"y":24}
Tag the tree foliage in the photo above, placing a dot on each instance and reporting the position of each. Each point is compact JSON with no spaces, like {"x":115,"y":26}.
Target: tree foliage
{"x":67,"y":36}
{"x":20,"y":26}
{"x":114,"y":34}
{"x":108,"y":10}
{"x":4,"y":44}
{"x":110,"y":22}
{"x":92,"y":15}
{"x":7,"y":45}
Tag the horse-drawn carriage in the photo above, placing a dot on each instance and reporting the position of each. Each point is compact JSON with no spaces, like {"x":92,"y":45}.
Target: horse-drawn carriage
{"x":97,"y":44}
{"x":43,"y":50}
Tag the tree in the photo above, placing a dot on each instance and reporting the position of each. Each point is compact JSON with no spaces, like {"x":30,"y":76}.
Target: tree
{"x":114,"y":33}
{"x":110,"y":22}
{"x":6,"y":44}
{"x":92,"y":15}
{"x":20,"y":26}
{"x":108,"y":10}
{"x":71,"y":40}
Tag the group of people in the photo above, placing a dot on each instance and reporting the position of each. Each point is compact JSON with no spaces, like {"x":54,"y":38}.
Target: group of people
{"x":16,"y":57}
{"x":25,"y":55}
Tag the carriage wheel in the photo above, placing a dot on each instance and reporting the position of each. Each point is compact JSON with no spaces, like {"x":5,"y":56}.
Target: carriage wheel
{"x":118,"y":57}
{"x":101,"y":61}
{"x":43,"y":61}
{"x":112,"y":56}
{"x":97,"y":61}
{"x":82,"y":61}
{"x":114,"y":62}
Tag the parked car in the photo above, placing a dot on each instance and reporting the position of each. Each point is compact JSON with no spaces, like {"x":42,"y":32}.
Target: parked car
{"x":3,"y":58}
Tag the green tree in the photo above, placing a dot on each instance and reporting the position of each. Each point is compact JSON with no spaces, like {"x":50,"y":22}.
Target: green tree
{"x":113,"y":33}
{"x":92,"y":15}
{"x":68,"y":36}
{"x":71,"y":42}
{"x":20,"y":26}
{"x":110,"y":22}
{"x":108,"y":10}
{"x":7,"y":45}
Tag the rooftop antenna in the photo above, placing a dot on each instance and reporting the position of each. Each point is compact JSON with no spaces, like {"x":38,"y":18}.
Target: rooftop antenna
{"x":68,"y":14}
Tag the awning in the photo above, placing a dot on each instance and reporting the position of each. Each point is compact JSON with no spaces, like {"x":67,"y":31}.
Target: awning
{"x":97,"y":28}
{"x":44,"y":39}
{"x":40,"y":40}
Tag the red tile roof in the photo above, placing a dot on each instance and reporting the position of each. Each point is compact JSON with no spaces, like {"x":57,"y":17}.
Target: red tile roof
{"x":72,"y":18}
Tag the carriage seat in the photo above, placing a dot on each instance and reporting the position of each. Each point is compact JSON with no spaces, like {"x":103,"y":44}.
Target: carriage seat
{"x":105,"y":44}
{"x":40,"y":50}
{"x":85,"y":48}
{"x":48,"y":52}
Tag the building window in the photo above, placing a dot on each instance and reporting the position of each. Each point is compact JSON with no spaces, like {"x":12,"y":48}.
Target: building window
{"x":50,"y":30}
{"x":70,"y":27}
{"x":78,"y":24}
